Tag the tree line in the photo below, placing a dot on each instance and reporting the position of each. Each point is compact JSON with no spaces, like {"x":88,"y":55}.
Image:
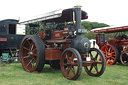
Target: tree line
{"x":92,"y":25}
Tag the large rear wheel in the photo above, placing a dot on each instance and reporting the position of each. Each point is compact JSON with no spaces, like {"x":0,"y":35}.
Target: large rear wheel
{"x":111,"y":54}
{"x":32,"y":53}
{"x":71,"y":63}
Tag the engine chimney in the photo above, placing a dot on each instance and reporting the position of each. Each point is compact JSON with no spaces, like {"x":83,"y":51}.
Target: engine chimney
{"x":78,"y":17}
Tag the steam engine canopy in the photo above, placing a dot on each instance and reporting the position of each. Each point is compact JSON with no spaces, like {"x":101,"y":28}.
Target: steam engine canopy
{"x":81,"y":44}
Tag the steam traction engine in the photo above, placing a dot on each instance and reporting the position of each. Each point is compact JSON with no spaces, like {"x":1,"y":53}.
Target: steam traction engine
{"x":116,"y":48}
{"x":62,"y":47}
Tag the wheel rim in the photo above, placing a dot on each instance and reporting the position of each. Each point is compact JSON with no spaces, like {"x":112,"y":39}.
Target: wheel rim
{"x":110,"y":54}
{"x":124,"y":58}
{"x":29,"y":54}
{"x":98,"y":64}
{"x":70,"y":65}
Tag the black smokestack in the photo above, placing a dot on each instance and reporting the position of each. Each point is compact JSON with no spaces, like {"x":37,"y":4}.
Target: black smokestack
{"x":78,"y":17}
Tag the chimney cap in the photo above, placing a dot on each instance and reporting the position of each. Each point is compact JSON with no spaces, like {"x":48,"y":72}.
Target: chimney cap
{"x":78,"y":6}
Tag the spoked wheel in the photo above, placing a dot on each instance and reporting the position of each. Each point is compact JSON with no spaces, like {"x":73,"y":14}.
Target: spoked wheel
{"x":124,"y":58}
{"x":55,"y":64}
{"x":97,"y":63}
{"x":32,"y":53}
{"x":111,"y":54}
{"x":71,"y":63}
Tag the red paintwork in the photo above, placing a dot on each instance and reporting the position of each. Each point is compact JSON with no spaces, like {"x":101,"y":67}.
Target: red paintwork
{"x":52,"y":54}
{"x":118,"y":43}
{"x":110,"y":29}
{"x":3,"y":39}
{"x":59,"y":34}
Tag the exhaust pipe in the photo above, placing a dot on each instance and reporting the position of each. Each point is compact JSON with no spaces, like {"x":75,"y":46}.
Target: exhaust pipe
{"x":78,"y":17}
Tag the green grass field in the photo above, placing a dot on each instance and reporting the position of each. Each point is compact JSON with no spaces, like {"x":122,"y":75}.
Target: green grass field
{"x":13,"y":74}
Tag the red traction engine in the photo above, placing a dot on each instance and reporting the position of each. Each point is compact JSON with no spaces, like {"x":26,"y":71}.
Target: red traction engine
{"x":116,"y":48}
{"x":62,"y":47}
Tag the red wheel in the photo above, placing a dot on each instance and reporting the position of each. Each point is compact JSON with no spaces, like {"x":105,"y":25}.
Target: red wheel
{"x":111,"y":54}
{"x":71,"y":63}
{"x":97,"y":63}
{"x":124,"y":58}
{"x":32,"y":53}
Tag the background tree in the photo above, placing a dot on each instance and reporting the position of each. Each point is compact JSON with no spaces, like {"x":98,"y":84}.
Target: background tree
{"x":91,"y":25}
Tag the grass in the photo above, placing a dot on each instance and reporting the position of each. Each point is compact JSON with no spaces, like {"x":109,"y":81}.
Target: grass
{"x":13,"y":74}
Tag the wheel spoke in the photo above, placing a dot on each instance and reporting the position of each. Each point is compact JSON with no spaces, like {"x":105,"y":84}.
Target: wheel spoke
{"x":26,"y":48}
{"x":73,"y":70}
{"x":96,"y":68}
{"x":34,"y":59}
{"x":109,"y":50}
{"x":32,"y":63}
{"x":28,"y":42}
{"x":106,"y":49}
{"x":66,"y":56}
{"x":32,"y":46}
{"x":112,"y":52}
{"x":72,"y":57}
{"x":31,"y":43}
{"x":113,"y":58}
{"x":96,"y":56}
{"x":110,"y":62}
{"x":91,"y":67}
{"x":68,"y":70}
{"x":91,"y":56}
{"x":34,"y":49}
{"x":26,"y":57}
{"x":29,"y":63}
{"x":113,"y":55}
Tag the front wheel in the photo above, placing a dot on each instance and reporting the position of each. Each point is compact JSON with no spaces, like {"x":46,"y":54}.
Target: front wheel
{"x":71,"y":63}
{"x":97,"y":63}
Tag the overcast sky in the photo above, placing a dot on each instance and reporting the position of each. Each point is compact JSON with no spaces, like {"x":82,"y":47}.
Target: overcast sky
{"x":112,"y":12}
